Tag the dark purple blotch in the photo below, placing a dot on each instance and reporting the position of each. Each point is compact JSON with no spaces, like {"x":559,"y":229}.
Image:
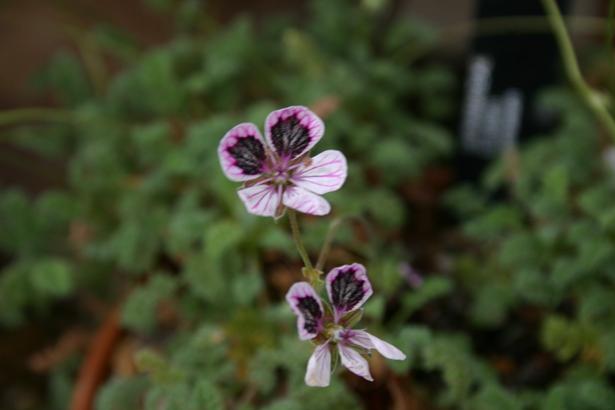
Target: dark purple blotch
{"x":289,"y":137}
{"x":311,"y":312}
{"x":249,"y":155}
{"x":347,"y":290}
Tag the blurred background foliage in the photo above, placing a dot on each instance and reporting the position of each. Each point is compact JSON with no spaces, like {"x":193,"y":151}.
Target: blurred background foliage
{"x":513,"y":308}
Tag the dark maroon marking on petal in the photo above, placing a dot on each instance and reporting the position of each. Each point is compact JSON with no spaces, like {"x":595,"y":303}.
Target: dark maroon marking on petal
{"x":310,"y":310}
{"x":289,"y":136}
{"x":249,"y":155}
{"x":346,"y":290}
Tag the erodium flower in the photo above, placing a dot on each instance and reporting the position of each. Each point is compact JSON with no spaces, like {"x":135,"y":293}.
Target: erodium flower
{"x":329,"y":326}
{"x":277,"y":171}
{"x":412,"y":277}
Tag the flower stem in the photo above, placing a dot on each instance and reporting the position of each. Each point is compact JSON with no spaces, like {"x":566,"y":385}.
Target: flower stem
{"x":573,"y":71}
{"x":326,"y":247}
{"x":610,"y":30}
{"x":294,"y":227}
{"x":10,"y":117}
{"x":91,"y":55}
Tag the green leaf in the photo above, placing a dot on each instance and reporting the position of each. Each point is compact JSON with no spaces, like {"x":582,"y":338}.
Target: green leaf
{"x":157,"y":367}
{"x":386,"y":208}
{"x":246,"y":287}
{"x":139,"y":312}
{"x":520,"y":250}
{"x":66,"y":77}
{"x":565,"y":338}
{"x":494,"y":223}
{"x":534,"y":286}
{"x":396,"y":158}
{"x":52,"y":277}
{"x":433,"y":287}
{"x":556,"y":183}
{"x":121,"y":393}
{"x":375,"y":307}
{"x":205,"y":396}
{"x":221,"y":237}
{"x":492,"y":304}
{"x":493,"y":396}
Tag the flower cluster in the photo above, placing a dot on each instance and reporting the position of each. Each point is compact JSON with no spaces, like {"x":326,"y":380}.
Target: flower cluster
{"x":278,"y":173}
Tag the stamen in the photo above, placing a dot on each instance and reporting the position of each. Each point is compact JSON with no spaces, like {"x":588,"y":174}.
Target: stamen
{"x":334,"y":332}
{"x":293,"y":167}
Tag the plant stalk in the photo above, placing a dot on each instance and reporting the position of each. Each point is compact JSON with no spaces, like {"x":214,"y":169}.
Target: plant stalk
{"x":10,"y":117}
{"x":326,"y":247}
{"x":573,"y":71}
{"x":294,"y":227}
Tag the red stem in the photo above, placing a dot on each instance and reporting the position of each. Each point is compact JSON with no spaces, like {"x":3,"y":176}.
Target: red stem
{"x":95,"y":365}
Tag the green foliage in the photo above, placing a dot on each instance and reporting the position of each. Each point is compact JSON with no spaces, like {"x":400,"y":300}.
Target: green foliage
{"x":139,"y":313}
{"x":66,"y":76}
{"x":121,"y":394}
{"x":431,"y":289}
{"x":581,"y":389}
{"x":40,"y":271}
{"x":147,"y":213}
{"x":30,"y":229}
{"x":549,"y":246}
{"x":492,"y":396}
{"x":60,"y":385}
{"x":451,"y":356}
{"x":565,"y":339}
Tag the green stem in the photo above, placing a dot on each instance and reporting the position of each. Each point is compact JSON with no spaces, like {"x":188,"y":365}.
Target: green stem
{"x":19,"y":115}
{"x":93,"y":60}
{"x":498,"y":25}
{"x":609,"y":43}
{"x":609,"y":26}
{"x":326,"y":247}
{"x":294,"y":227}
{"x":572,"y":67}
{"x":525,"y":24}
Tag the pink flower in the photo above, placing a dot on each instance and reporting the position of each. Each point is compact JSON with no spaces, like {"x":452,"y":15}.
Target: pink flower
{"x":277,"y":171}
{"x":348,"y":289}
{"x":411,"y":275}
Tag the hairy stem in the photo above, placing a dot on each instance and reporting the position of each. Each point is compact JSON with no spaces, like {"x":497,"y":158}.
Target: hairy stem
{"x":91,"y":55}
{"x":10,"y":117}
{"x":610,"y":32}
{"x":294,"y":227}
{"x":497,"y":25}
{"x":326,"y":247}
{"x":573,"y":71}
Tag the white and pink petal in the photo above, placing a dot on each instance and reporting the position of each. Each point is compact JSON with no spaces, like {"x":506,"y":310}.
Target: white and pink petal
{"x":318,"y":372}
{"x":353,"y":361}
{"x":305,"y":201}
{"x":348,"y":288}
{"x":306,"y":304}
{"x":326,"y":172}
{"x":261,"y":199}
{"x":368,"y":341}
{"x":292,"y":131}
{"x":242,"y":153}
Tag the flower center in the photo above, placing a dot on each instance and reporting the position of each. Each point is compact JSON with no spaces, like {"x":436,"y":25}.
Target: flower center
{"x":281,"y":177}
{"x":334,"y":332}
